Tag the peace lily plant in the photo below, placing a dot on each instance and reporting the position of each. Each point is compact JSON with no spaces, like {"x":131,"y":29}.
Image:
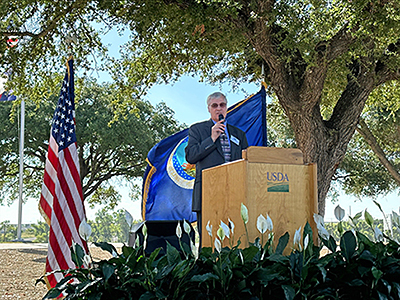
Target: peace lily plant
{"x":353,"y":266}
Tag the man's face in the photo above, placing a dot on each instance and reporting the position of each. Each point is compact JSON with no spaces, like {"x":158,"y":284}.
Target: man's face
{"x":216,"y":107}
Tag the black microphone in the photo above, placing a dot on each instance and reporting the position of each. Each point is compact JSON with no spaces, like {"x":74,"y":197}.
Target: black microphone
{"x":221,"y":117}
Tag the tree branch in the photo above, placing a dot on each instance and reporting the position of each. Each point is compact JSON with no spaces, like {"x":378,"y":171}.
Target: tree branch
{"x":338,"y":44}
{"x":373,"y":143}
{"x":51,"y":25}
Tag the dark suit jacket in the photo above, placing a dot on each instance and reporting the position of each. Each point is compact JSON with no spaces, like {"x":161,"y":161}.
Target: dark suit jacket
{"x":202,"y":151}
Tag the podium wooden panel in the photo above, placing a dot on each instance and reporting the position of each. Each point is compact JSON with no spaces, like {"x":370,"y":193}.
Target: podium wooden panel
{"x":287,"y":192}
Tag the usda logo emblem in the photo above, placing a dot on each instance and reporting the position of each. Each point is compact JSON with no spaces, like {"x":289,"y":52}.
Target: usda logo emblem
{"x":277,"y":182}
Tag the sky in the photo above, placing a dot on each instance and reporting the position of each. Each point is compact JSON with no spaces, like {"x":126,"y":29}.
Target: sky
{"x":187,"y":98}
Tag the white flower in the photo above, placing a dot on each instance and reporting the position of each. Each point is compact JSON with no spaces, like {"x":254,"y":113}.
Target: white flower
{"x":144,"y":230}
{"x":339,"y":213}
{"x":241,"y":257}
{"x":194,"y":249}
{"x":217,"y":245}
{"x":396,"y":218}
{"x":271,"y":235}
{"x":261,"y":224}
{"x":85,"y":230}
{"x":244,"y":213}
{"x":221,"y":233}
{"x":226,"y":229}
{"x":306,"y":240}
{"x":378,"y":234}
{"x":324,"y":233}
{"x":209,"y":228}
{"x":86,"y":261}
{"x":128,"y":218}
{"x":297,"y":238}
{"x":74,"y":245}
{"x":179,"y":230}
{"x":231,"y":225}
{"x":270,"y":226}
{"x":186,"y":226}
{"x":144,"y":244}
{"x":114,"y":254}
{"x":319,"y":220}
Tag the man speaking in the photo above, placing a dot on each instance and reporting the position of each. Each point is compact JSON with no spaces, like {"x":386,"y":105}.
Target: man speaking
{"x":212,"y":143}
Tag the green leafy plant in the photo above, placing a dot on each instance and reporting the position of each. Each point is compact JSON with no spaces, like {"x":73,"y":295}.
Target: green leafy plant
{"x":352,"y":266}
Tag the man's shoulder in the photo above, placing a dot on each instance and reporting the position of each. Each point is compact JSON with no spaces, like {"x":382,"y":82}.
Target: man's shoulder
{"x":201,"y":124}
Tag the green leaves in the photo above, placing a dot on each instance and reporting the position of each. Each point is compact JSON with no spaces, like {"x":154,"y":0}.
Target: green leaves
{"x":107,"y":247}
{"x":289,"y":292}
{"x":330,"y":244}
{"x":108,"y":271}
{"x":283,"y":241}
{"x":368,"y":218}
{"x":77,"y":254}
{"x":358,"y":266}
{"x":348,"y":245}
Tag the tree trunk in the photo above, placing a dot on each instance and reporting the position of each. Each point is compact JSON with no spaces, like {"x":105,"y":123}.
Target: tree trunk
{"x":325,"y":142}
{"x":299,"y":93}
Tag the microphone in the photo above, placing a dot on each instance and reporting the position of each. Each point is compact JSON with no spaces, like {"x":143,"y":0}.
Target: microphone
{"x":220,"y":118}
{"x":224,"y":142}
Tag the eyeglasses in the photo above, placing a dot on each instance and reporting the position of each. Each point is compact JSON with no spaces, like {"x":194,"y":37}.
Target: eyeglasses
{"x":215,"y":105}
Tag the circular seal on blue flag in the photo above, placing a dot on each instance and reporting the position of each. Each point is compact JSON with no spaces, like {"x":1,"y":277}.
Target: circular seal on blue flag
{"x":178,"y":169}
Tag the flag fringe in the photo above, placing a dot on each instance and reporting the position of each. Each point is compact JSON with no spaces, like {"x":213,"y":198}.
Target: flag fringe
{"x":147,"y":187}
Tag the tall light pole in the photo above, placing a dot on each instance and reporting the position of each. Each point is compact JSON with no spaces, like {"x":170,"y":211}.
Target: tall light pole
{"x":21,"y":169}
{"x":4,"y":96}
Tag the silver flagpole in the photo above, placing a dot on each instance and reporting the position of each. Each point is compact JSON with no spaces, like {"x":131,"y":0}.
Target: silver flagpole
{"x":21,"y":169}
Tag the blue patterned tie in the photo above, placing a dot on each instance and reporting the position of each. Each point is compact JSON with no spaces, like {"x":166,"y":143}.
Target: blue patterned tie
{"x":226,"y":149}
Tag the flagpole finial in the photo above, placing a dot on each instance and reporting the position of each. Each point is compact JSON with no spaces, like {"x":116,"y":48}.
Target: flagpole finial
{"x":70,"y":39}
{"x":263,"y":71}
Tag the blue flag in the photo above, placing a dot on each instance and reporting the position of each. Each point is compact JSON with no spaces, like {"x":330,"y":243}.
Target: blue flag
{"x":6,"y":97}
{"x":169,"y":178}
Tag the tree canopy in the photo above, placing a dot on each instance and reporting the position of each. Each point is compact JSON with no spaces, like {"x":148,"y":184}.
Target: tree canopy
{"x":108,"y":148}
{"x":315,"y":53}
{"x":371,"y":164}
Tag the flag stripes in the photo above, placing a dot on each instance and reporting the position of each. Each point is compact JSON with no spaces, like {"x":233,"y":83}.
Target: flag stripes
{"x":61,"y":201}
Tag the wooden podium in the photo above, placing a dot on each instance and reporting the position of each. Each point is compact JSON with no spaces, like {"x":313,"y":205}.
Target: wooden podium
{"x":271,"y":181}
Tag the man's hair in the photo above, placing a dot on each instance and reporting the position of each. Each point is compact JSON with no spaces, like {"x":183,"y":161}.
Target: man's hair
{"x":216,"y":95}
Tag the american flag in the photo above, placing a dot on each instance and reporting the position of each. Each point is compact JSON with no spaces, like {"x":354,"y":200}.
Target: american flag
{"x":61,"y":200}
{"x":5,"y":97}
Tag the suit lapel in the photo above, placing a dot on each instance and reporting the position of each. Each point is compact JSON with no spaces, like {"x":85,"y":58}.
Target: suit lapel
{"x":218,"y":141}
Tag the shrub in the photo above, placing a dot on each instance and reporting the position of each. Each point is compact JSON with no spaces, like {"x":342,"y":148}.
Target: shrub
{"x":8,"y":232}
{"x":355,"y":268}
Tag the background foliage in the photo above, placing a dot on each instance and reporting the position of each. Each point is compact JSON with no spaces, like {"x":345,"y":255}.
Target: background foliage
{"x":111,"y":146}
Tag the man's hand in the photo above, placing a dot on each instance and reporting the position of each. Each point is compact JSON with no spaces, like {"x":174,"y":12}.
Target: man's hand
{"x":217,"y":129}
